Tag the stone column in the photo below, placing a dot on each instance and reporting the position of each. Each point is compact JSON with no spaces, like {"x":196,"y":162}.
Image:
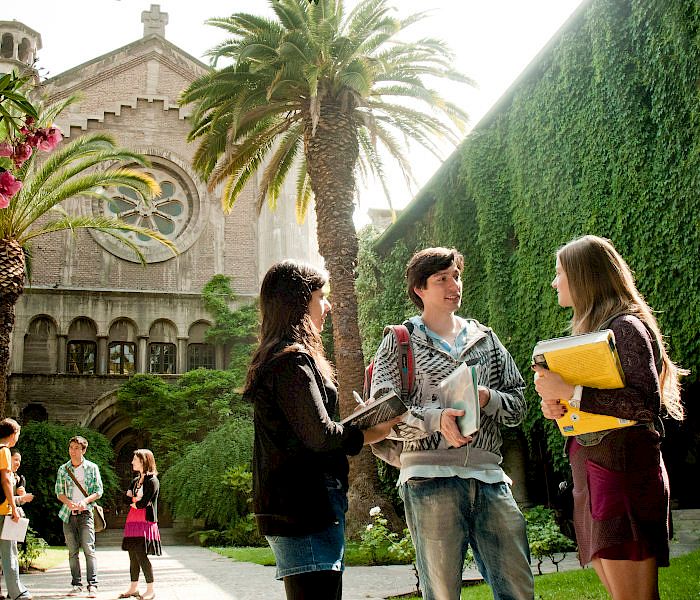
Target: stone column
{"x":181,"y":365}
{"x":17,"y":354}
{"x":142,"y":355}
{"x":219,"y":357}
{"x":102,"y":355}
{"x":61,"y":346}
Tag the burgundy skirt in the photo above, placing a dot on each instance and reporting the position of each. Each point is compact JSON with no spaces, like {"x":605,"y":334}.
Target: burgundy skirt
{"x":621,"y":498}
{"x":140,"y":533}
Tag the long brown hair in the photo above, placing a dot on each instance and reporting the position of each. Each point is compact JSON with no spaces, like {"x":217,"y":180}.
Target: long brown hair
{"x":602,"y":285}
{"x":285,"y":323}
{"x":147,"y":460}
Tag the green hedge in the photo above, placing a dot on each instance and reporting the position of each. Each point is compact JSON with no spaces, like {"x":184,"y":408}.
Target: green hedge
{"x":600,"y":136}
{"x":44,"y":448}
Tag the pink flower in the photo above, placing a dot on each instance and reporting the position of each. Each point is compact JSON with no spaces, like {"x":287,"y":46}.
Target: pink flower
{"x":6,"y":149}
{"x":9,"y":186}
{"x":49,"y":138}
{"x":22,"y":152}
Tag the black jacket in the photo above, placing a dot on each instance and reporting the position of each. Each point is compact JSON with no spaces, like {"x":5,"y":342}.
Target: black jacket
{"x":151,"y":487}
{"x":297,"y":444}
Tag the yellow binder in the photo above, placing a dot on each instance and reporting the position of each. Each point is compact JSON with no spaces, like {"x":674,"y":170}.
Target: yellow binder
{"x":590,"y":360}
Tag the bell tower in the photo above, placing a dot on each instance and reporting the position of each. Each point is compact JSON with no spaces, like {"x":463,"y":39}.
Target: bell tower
{"x":19,"y":45}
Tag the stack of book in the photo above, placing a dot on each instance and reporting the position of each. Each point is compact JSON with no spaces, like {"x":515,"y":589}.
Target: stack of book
{"x":589,"y":360}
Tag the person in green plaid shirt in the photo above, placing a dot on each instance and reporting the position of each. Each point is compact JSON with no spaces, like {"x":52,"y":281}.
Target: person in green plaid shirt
{"x":76,"y":513}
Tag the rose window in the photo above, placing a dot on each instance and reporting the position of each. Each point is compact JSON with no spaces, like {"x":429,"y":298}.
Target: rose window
{"x":175,"y":213}
{"x":167,"y":213}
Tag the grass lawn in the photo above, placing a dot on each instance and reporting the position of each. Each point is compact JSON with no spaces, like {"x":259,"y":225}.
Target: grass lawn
{"x":51,"y":557}
{"x":678,"y":582}
{"x":264,"y":556}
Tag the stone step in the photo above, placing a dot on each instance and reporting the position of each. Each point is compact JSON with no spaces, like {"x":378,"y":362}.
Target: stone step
{"x":170,"y":536}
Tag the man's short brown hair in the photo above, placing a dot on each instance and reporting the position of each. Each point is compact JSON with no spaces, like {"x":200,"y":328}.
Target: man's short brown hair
{"x":8,"y":427}
{"x":427,"y":262}
{"x":80,"y":440}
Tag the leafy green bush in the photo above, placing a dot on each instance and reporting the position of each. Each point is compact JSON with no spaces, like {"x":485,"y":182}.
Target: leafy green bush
{"x":44,"y":448}
{"x":31,"y":549}
{"x":195,"y":486}
{"x":546,"y":539}
{"x":383,"y":546}
{"x":174,"y":416}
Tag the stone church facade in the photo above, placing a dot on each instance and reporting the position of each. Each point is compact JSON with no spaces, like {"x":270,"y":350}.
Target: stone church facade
{"x":92,"y":316}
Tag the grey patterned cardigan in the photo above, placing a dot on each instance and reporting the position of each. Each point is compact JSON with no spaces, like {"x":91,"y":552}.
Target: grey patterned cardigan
{"x":419,"y":441}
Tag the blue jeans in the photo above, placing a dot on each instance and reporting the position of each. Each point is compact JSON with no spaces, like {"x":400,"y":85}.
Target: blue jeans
{"x":10,"y":567}
{"x":80,"y":533}
{"x":446,"y":515}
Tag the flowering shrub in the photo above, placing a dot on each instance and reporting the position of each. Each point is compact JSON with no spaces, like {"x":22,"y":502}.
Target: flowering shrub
{"x":18,"y":149}
{"x":19,"y":135}
{"x":384,"y":546}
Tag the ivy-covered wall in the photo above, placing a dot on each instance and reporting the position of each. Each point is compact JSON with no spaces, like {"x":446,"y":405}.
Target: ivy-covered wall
{"x":600,"y":135}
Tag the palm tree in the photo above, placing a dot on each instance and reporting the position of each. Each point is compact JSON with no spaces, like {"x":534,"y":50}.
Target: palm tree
{"x":84,"y":167}
{"x":315,"y":92}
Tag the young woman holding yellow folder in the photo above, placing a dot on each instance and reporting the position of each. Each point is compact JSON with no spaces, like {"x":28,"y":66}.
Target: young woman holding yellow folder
{"x":621,"y":492}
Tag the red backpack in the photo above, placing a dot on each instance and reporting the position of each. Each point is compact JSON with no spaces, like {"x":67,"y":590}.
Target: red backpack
{"x":405,"y":358}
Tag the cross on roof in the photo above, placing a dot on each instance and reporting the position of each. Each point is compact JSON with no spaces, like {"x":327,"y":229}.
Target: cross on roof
{"x":154,"y":21}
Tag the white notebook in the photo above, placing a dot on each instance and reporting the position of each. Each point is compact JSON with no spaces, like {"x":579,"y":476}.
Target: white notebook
{"x":460,"y":390}
{"x":12,"y":530}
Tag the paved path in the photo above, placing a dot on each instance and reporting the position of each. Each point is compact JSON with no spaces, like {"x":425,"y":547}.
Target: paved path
{"x":194,"y":573}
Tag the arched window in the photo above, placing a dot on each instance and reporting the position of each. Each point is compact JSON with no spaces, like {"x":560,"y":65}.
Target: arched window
{"x":7,"y":46}
{"x":122,"y":348}
{"x":24,"y":51}
{"x":162,"y":349}
{"x":82,"y":347}
{"x":40,"y":347}
{"x":200,"y":355}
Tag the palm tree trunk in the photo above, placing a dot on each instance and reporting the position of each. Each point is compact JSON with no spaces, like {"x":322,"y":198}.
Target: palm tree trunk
{"x":11,"y":287}
{"x":331,"y":154}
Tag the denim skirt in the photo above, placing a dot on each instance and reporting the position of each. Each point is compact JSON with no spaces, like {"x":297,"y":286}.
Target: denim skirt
{"x":320,"y":551}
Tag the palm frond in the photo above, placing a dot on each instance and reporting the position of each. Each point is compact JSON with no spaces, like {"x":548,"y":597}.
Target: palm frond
{"x":112,"y":227}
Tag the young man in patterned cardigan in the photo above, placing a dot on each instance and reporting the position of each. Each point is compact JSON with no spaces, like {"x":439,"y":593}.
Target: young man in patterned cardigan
{"x":455,"y":492}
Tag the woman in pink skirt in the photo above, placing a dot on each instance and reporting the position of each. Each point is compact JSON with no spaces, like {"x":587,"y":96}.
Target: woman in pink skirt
{"x":141,"y":535}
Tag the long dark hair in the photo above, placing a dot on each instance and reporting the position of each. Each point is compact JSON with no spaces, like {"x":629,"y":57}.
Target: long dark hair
{"x":602,"y":285}
{"x":285,"y":323}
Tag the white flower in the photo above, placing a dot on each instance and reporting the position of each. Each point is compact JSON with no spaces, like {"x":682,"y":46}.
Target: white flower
{"x":369,"y":527}
{"x":373,"y":512}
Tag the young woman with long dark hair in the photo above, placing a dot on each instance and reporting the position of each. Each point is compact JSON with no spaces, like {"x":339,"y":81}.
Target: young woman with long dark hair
{"x":141,"y":534}
{"x":300,"y":467}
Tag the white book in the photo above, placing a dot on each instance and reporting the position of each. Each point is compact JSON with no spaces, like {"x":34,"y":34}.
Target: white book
{"x":460,"y":390}
{"x":12,"y":530}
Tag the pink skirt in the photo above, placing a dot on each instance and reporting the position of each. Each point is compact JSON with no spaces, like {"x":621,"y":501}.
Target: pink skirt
{"x":140,"y":533}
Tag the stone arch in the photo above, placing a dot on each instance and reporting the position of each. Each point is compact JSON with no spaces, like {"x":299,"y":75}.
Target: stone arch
{"x":34,"y":412}
{"x":104,"y":417}
{"x":40,"y":345}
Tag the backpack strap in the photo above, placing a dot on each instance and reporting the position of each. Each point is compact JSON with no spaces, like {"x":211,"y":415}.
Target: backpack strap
{"x":404,"y":356}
